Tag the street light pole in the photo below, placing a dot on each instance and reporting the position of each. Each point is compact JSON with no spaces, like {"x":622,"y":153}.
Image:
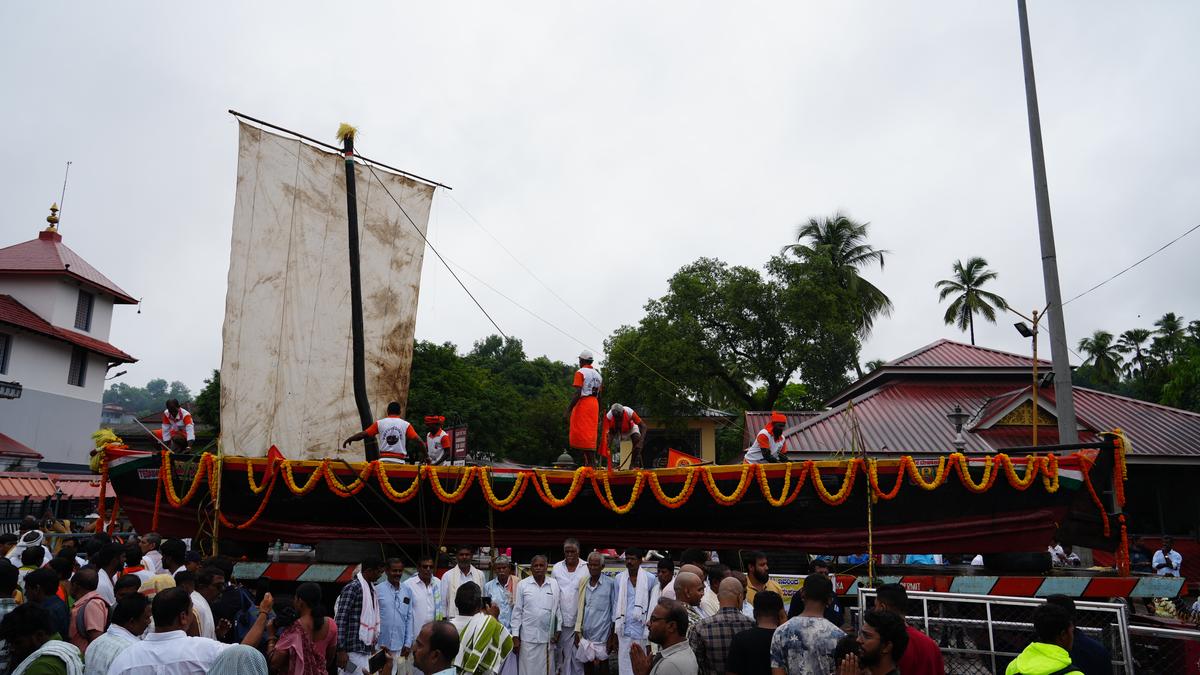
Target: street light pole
{"x":1028,"y":332}
{"x":1064,"y":401}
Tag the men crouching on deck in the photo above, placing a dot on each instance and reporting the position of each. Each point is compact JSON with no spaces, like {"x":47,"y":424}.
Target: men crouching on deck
{"x":394,"y":434}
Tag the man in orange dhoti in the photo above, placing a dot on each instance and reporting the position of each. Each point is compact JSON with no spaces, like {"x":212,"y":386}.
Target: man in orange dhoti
{"x":584,"y":408}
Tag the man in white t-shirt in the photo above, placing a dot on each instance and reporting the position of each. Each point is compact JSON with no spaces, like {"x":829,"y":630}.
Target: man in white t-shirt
{"x":1167,"y":561}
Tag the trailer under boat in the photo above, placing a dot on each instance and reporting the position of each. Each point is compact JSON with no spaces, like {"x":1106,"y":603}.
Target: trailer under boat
{"x":952,"y":504}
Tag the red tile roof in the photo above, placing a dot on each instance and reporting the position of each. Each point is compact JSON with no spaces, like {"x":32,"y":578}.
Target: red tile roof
{"x":14,"y":313}
{"x":757,"y":419}
{"x":76,"y":486}
{"x":11,"y":447}
{"x":48,"y":255}
{"x":1153,"y":430}
{"x":15,"y":486}
{"x":949,"y":354}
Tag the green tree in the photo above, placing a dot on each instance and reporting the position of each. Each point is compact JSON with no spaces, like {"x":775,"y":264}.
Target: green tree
{"x":966,"y":285}
{"x":1103,"y":356}
{"x":1169,"y":336}
{"x":1182,"y":388}
{"x":157,"y":389}
{"x":1133,"y":341}
{"x":207,"y":405}
{"x":841,"y":243}
{"x":874,"y":364}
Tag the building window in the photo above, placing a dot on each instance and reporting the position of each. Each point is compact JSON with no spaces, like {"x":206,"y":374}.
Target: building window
{"x":83,"y":310}
{"x":78,"y":373}
{"x":5,"y":345}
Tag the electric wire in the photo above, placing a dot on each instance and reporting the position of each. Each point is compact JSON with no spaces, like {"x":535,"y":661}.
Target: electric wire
{"x":1160,"y":249}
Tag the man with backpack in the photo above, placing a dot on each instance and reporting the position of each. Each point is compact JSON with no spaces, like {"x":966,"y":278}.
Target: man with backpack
{"x":89,"y":615}
{"x":1050,"y":652}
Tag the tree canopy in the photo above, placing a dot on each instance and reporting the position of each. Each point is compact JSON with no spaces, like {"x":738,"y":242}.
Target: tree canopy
{"x":966,"y":287}
{"x":1160,"y":365}
{"x":150,"y":398}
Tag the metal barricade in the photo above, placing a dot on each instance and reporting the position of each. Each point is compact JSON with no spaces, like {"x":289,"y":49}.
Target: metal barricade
{"x":981,"y":634}
{"x":1165,"y":650}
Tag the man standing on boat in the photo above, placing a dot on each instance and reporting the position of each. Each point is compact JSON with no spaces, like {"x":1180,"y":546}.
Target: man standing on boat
{"x":457,"y":576}
{"x":569,"y":572}
{"x":584,"y":408}
{"x":768,"y":444}
{"x":178,"y":432}
{"x":394,"y":434}
{"x":622,"y":422}
{"x":439,"y":446}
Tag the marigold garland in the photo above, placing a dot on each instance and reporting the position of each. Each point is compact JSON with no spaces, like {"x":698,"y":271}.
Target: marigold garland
{"x":873,"y":478}
{"x":272,"y":464}
{"x":542,"y":485}
{"x":289,"y":478}
{"x":841,"y":495}
{"x":939,"y":477}
{"x":449,"y":497}
{"x":1087,"y":480}
{"x":262,"y":505}
{"x":689,"y":485}
{"x":394,"y":495}
{"x":1120,"y":468}
{"x":784,"y":498}
{"x":1050,"y":472}
{"x":964,"y":473}
{"x":518,"y":490}
{"x":166,"y":476}
{"x":1032,"y":463}
{"x":611,"y":502}
{"x":738,"y":492}
{"x":344,"y":491}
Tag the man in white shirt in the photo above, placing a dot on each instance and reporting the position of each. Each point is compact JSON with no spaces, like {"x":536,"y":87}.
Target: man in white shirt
{"x":426,"y":592}
{"x":169,"y":650}
{"x":631,"y":607}
{"x":457,"y":576}
{"x":569,"y":573}
{"x":535,"y":620}
{"x":128,"y":620}
{"x":1167,"y":561}
{"x":109,"y":561}
{"x":151,"y":556}
{"x":210,"y":583}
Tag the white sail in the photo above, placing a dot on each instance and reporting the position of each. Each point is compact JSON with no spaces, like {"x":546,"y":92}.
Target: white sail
{"x":286,"y":368}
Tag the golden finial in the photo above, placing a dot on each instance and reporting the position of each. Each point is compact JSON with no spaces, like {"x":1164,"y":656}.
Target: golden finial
{"x":53,"y":218}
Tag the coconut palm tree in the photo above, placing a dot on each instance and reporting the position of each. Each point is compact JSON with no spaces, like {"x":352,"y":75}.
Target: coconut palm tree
{"x":1169,"y":335}
{"x":1103,"y":355}
{"x":969,"y":297}
{"x":1133,"y":341}
{"x":842,"y":242}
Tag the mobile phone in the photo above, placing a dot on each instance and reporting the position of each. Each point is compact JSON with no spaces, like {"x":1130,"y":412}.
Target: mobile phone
{"x":487,"y":600}
{"x":377,"y":660}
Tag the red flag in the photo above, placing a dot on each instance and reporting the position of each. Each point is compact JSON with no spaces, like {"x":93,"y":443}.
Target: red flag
{"x":676,"y":458}
{"x":274,"y":455}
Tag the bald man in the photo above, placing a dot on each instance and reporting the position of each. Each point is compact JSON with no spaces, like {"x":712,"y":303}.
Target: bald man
{"x":711,"y":637}
{"x":689,"y":589}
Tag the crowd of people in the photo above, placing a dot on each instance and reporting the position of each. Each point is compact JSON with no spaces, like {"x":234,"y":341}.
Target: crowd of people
{"x":152,"y":607}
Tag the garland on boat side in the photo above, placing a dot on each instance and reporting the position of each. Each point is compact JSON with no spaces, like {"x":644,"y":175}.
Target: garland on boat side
{"x":794,"y":475}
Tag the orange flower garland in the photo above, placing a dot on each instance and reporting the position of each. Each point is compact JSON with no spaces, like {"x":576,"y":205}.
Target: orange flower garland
{"x":689,"y":485}
{"x":847,"y":484}
{"x":1087,"y":480}
{"x":784,"y":498}
{"x":738,"y":492}
{"x":450,"y":497}
{"x":258,"y":489}
{"x":611,"y":502}
{"x":166,"y":476}
{"x":343,"y":491}
{"x":391,"y":492}
{"x":873,"y":478}
{"x":519,"y":485}
{"x":290,"y":480}
{"x":1120,"y":469}
{"x":939,"y":477}
{"x":262,"y":505}
{"x":542,"y":485}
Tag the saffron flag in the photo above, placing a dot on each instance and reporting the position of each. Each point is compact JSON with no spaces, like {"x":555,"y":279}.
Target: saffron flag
{"x":676,"y":458}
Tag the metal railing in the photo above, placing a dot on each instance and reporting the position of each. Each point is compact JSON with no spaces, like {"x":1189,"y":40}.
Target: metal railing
{"x":981,"y":634}
{"x":1165,"y":650}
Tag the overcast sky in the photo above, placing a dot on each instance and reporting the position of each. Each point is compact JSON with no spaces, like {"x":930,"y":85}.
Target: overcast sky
{"x":608,"y":144}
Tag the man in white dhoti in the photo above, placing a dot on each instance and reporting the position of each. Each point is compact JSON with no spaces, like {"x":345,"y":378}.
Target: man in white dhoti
{"x":631,"y":607}
{"x":569,"y":573}
{"x":535,"y":620}
{"x":456,"y":576}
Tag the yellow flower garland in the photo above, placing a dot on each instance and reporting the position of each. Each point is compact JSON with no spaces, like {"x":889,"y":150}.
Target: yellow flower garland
{"x":393,"y":494}
{"x":689,"y":484}
{"x":468,"y":475}
{"x":290,"y":480}
{"x":873,"y":479}
{"x":841,"y":495}
{"x":784,"y":497}
{"x":738,"y":492}
{"x":1050,"y":472}
{"x":167,"y":477}
{"x":964,"y":474}
{"x":638,"y":483}
{"x":258,"y":489}
{"x":542,"y":485}
{"x":1032,"y":464}
{"x":513,"y":497}
{"x":939,"y":476}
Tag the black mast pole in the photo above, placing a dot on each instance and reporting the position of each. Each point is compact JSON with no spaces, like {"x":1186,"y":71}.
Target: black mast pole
{"x":346,"y":134}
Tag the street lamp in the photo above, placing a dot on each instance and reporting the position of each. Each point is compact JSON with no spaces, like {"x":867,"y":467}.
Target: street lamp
{"x":1028,"y":332}
{"x":958,"y":418}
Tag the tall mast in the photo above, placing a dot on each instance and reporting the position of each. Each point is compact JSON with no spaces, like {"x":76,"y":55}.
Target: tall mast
{"x":346,"y":135}
{"x":1064,"y":401}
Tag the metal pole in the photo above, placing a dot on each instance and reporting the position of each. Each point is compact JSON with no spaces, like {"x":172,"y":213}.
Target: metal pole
{"x":356,"y":312}
{"x":1064,"y":402}
{"x":1035,"y":377}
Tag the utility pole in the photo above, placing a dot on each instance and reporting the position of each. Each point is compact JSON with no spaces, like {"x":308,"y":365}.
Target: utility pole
{"x":346,"y":135}
{"x":1064,"y":401}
